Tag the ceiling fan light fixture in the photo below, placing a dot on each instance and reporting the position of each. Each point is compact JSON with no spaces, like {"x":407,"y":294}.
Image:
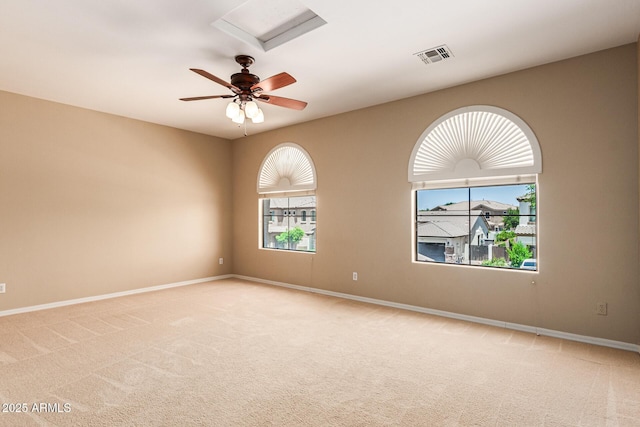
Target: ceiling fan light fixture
{"x":232,"y":110}
{"x":251,"y":109}
{"x":259,"y":117}
{"x":239,"y":118}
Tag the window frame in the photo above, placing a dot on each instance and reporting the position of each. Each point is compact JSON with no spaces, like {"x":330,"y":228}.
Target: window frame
{"x":467,"y":213}
{"x":474,"y":146}
{"x":287,"y":171}
{"x":288,"y":214}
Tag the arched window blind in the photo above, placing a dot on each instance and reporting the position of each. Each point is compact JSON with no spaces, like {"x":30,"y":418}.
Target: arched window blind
{"x":475,"y":145}
{"x":287,"y":168}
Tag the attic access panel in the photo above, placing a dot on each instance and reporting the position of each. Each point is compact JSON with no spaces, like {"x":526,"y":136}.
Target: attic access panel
{"x":266,"y":25}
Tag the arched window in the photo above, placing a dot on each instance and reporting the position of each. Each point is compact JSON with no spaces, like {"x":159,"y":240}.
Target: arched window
{"x":472,"y":160}
{"x":287,"y":183}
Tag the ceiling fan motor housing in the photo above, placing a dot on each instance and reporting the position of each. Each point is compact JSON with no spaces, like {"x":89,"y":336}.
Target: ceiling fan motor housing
{"x":244,"y":80}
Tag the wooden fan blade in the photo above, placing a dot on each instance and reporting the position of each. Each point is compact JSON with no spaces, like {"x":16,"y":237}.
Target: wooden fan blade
{"x":198,"y":98}
{"x":282,"y":102}
{"x":215,"y":79}
{"x":274,"y":82}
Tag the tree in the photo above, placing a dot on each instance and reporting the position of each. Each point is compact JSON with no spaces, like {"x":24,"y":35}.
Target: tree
{"x":292,"y":236}
{"x":511,"y":219}
{"x":531,"y":197}
{"x":505,"y":235}
{"x":518,"y":253}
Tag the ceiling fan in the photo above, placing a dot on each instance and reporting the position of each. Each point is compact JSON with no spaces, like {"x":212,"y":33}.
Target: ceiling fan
{"x":246,"y":88}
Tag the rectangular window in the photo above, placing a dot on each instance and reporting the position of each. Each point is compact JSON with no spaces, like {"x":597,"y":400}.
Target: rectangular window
{"x":460,"y":226}
{"x":290,"y":231}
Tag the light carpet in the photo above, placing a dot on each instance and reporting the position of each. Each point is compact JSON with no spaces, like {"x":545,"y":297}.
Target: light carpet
{"x":237,"y":353}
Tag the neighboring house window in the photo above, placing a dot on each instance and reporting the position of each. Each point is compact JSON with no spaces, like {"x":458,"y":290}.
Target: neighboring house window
{"x":287,"y":183}
{"x":466,"y":169}
{"x":313,"y":216}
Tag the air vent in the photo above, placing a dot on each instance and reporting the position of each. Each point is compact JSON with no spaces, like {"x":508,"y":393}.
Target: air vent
{"x":435,"y":54}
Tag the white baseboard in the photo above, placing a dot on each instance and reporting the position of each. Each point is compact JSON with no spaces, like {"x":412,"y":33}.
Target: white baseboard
{"x":514,"y":326}
{"x":107,"y":296}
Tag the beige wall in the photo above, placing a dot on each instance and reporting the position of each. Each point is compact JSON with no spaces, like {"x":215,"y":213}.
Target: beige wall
{"x":92,"y":203}
{"x":585,"y":116}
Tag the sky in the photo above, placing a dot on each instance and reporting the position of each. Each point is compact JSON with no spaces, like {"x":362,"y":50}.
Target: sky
{"x":428,"y":199}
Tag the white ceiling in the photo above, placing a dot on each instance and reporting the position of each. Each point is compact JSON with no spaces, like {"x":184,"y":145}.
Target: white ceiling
{"x":132,"y":57}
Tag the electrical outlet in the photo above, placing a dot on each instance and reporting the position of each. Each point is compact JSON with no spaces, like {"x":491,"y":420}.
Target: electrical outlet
{"x":3,"y":288}
{"x":355,"y":276}
{"x":220,"y":261}
{"x":601,"y":308}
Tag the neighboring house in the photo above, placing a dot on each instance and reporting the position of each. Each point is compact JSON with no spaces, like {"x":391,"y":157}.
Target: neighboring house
{"x":494,"y":212}
{"x":526,"y":229}
{"x":443,"y":237}
{"x":288,"y":213}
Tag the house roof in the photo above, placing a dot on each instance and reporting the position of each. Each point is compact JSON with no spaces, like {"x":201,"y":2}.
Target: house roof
{"x":442,"y":229}
{"x":475,"y":205}
{"x":443,"y":224}
{"x":525,"y":230}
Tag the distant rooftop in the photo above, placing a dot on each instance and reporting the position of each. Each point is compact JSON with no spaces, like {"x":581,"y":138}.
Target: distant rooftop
{"x":525,"y":230}
{"x":475,"y":205}
{"x":443,"y":224}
